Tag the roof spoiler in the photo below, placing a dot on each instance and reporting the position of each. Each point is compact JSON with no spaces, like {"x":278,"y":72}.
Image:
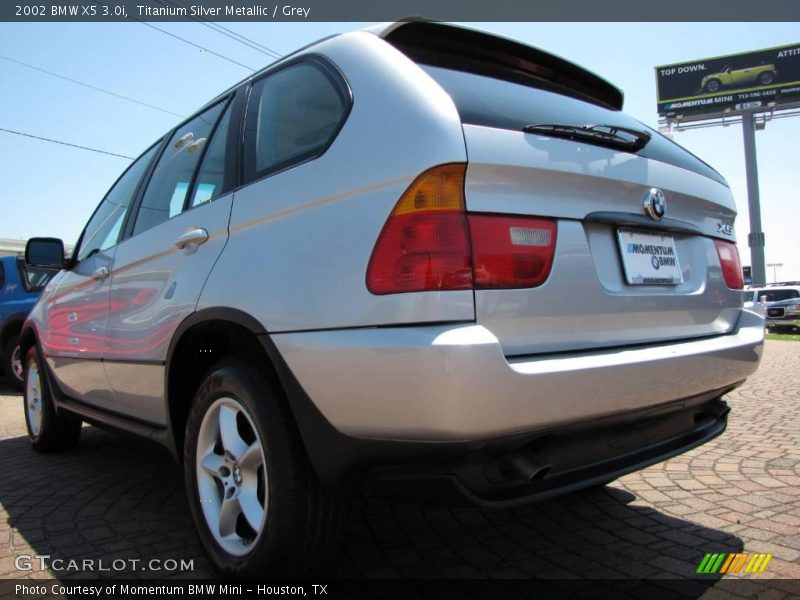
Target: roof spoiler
{"x":459,"y":48}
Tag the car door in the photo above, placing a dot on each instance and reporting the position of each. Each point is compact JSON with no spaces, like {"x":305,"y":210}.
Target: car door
{"x":75,"y":315}
{"x":179,"y":229}
{"x":727,"y":76}
{"x":743,"y":76}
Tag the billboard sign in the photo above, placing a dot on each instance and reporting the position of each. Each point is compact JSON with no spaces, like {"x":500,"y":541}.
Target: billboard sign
{"x":750,"y":80}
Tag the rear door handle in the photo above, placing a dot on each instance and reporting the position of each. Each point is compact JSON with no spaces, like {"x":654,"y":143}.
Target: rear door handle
{"x":195,"y":236}
{"x":100,"y":273}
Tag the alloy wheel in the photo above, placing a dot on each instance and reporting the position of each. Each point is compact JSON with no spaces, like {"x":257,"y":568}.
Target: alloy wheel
{"x":33,"y":399}
{"x":16,"y":363}
{"x":232,"y":479}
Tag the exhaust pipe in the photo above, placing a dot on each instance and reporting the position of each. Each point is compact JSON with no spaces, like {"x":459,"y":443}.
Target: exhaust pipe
{"x":530,"y":467}
{"x":717,"y":410}
{"x":720,"y":409}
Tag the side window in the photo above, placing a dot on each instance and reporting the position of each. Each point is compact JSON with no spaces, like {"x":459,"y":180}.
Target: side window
{"x":166,"y":192}
{"x":292,"y":116}
{"x":104,"y":227}
{"x":34,"y":278}
{"x":211,"y":177}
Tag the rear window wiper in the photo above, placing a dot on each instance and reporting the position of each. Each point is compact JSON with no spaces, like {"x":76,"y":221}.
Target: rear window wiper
{"x":609,"y":136}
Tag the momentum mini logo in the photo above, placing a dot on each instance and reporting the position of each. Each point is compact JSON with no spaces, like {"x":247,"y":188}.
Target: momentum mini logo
{"x":733,"y":563}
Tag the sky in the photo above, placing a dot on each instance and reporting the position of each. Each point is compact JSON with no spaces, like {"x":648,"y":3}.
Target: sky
{"x":51,"y":190}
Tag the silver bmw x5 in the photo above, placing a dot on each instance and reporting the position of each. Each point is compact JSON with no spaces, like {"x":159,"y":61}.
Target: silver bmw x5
{"x":411,"y":258}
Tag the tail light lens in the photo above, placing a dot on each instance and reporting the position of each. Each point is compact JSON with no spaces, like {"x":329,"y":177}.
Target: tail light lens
{"x":511,"y":252}
{"x":424,"y":244}
{"x":430,"y":243}
{"x":729,"y":261}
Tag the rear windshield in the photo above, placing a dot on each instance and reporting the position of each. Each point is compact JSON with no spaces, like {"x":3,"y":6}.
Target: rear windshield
{"x":778,"y":295}
{"x":491,"y":102}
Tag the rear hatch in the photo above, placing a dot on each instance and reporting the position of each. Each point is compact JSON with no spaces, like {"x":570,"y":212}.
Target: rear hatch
{"x":534,"y":147}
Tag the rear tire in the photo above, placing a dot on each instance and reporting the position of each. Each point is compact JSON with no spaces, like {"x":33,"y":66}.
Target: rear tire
{"x":766,"y":78}
{"x":12,"y":362}
{"x":254,"y":498}
{"x":47,"y":430}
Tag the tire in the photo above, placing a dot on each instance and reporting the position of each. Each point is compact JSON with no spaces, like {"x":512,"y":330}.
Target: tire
{"x":252,"y":493}
{"x":766,"y":78}
{"x":12,"y":362}
{"x":47,"y":430}
{"x":713,"y":85}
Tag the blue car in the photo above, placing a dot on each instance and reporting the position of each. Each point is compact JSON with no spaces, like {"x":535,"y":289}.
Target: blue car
{"x":20,"y":286}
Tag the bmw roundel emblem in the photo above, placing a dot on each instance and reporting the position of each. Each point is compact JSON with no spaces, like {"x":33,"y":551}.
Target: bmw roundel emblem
{"x":655,"y":263}
{"x":655,"y":204}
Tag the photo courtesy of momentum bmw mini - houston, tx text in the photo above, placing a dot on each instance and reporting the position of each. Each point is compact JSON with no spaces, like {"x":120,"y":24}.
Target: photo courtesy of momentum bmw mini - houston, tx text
{"x":524,"y":294}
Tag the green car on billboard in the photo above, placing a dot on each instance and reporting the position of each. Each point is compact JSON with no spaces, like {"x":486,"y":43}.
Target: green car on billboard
{"x":763,"y":74}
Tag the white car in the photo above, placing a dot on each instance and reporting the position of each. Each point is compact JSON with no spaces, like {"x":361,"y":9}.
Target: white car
{"x":781,"y":306}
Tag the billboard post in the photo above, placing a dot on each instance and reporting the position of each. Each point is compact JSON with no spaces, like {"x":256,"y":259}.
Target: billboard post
{"x":756,"y":237}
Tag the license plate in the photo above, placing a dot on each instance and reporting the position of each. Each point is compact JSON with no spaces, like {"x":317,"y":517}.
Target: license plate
{"x":649,"y":258}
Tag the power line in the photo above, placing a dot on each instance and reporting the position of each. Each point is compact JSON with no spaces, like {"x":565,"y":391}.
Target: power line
{"x":91,"y":87}
{"x":44,"y":139}
{"x":268,"y":51}
{"x":177,"y":37}
{"x":229,"y":33}
{"x":184,"y":40}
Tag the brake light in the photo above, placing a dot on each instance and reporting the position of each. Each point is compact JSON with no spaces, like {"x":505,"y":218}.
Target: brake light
{"x":430,"y":243}
{"x":729,"y":261}
{"x":511,"y":252}
{"x":424,"y":244}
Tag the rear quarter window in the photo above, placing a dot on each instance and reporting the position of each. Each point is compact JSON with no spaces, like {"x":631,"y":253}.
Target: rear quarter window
{"x":293,"y":115}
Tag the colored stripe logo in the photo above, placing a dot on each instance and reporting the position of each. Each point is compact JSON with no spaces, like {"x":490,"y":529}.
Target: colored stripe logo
{"x":722,"y":562}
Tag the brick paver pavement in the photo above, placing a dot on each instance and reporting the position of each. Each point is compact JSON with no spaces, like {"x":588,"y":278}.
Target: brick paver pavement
{"x":120,"y":497}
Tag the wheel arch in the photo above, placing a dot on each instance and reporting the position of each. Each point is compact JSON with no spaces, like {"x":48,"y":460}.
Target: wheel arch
{"x":201,"y":340}
{"x":28,"y":338}
{"x":12,"y":325}
{"x":336,"y":458}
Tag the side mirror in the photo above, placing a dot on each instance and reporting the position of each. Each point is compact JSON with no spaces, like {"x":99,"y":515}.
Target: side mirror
{"x":44,"y":252}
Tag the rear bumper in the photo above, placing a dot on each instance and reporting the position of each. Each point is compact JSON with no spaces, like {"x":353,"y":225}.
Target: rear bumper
{"x":574,"y":458}
{"x":451,"y":383}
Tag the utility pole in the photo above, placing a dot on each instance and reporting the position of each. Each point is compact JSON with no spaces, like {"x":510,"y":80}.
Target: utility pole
{"x":756,"y":237}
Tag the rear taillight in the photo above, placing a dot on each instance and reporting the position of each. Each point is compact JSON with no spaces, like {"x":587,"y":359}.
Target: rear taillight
{"x":729,"y":261}
{"x":424,"y":244}
{"x":511,"y":252}
{"x":430,"y":243}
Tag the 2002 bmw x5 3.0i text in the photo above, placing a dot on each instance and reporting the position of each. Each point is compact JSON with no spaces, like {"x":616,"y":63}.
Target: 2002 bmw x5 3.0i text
{"x":416,"y":256}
